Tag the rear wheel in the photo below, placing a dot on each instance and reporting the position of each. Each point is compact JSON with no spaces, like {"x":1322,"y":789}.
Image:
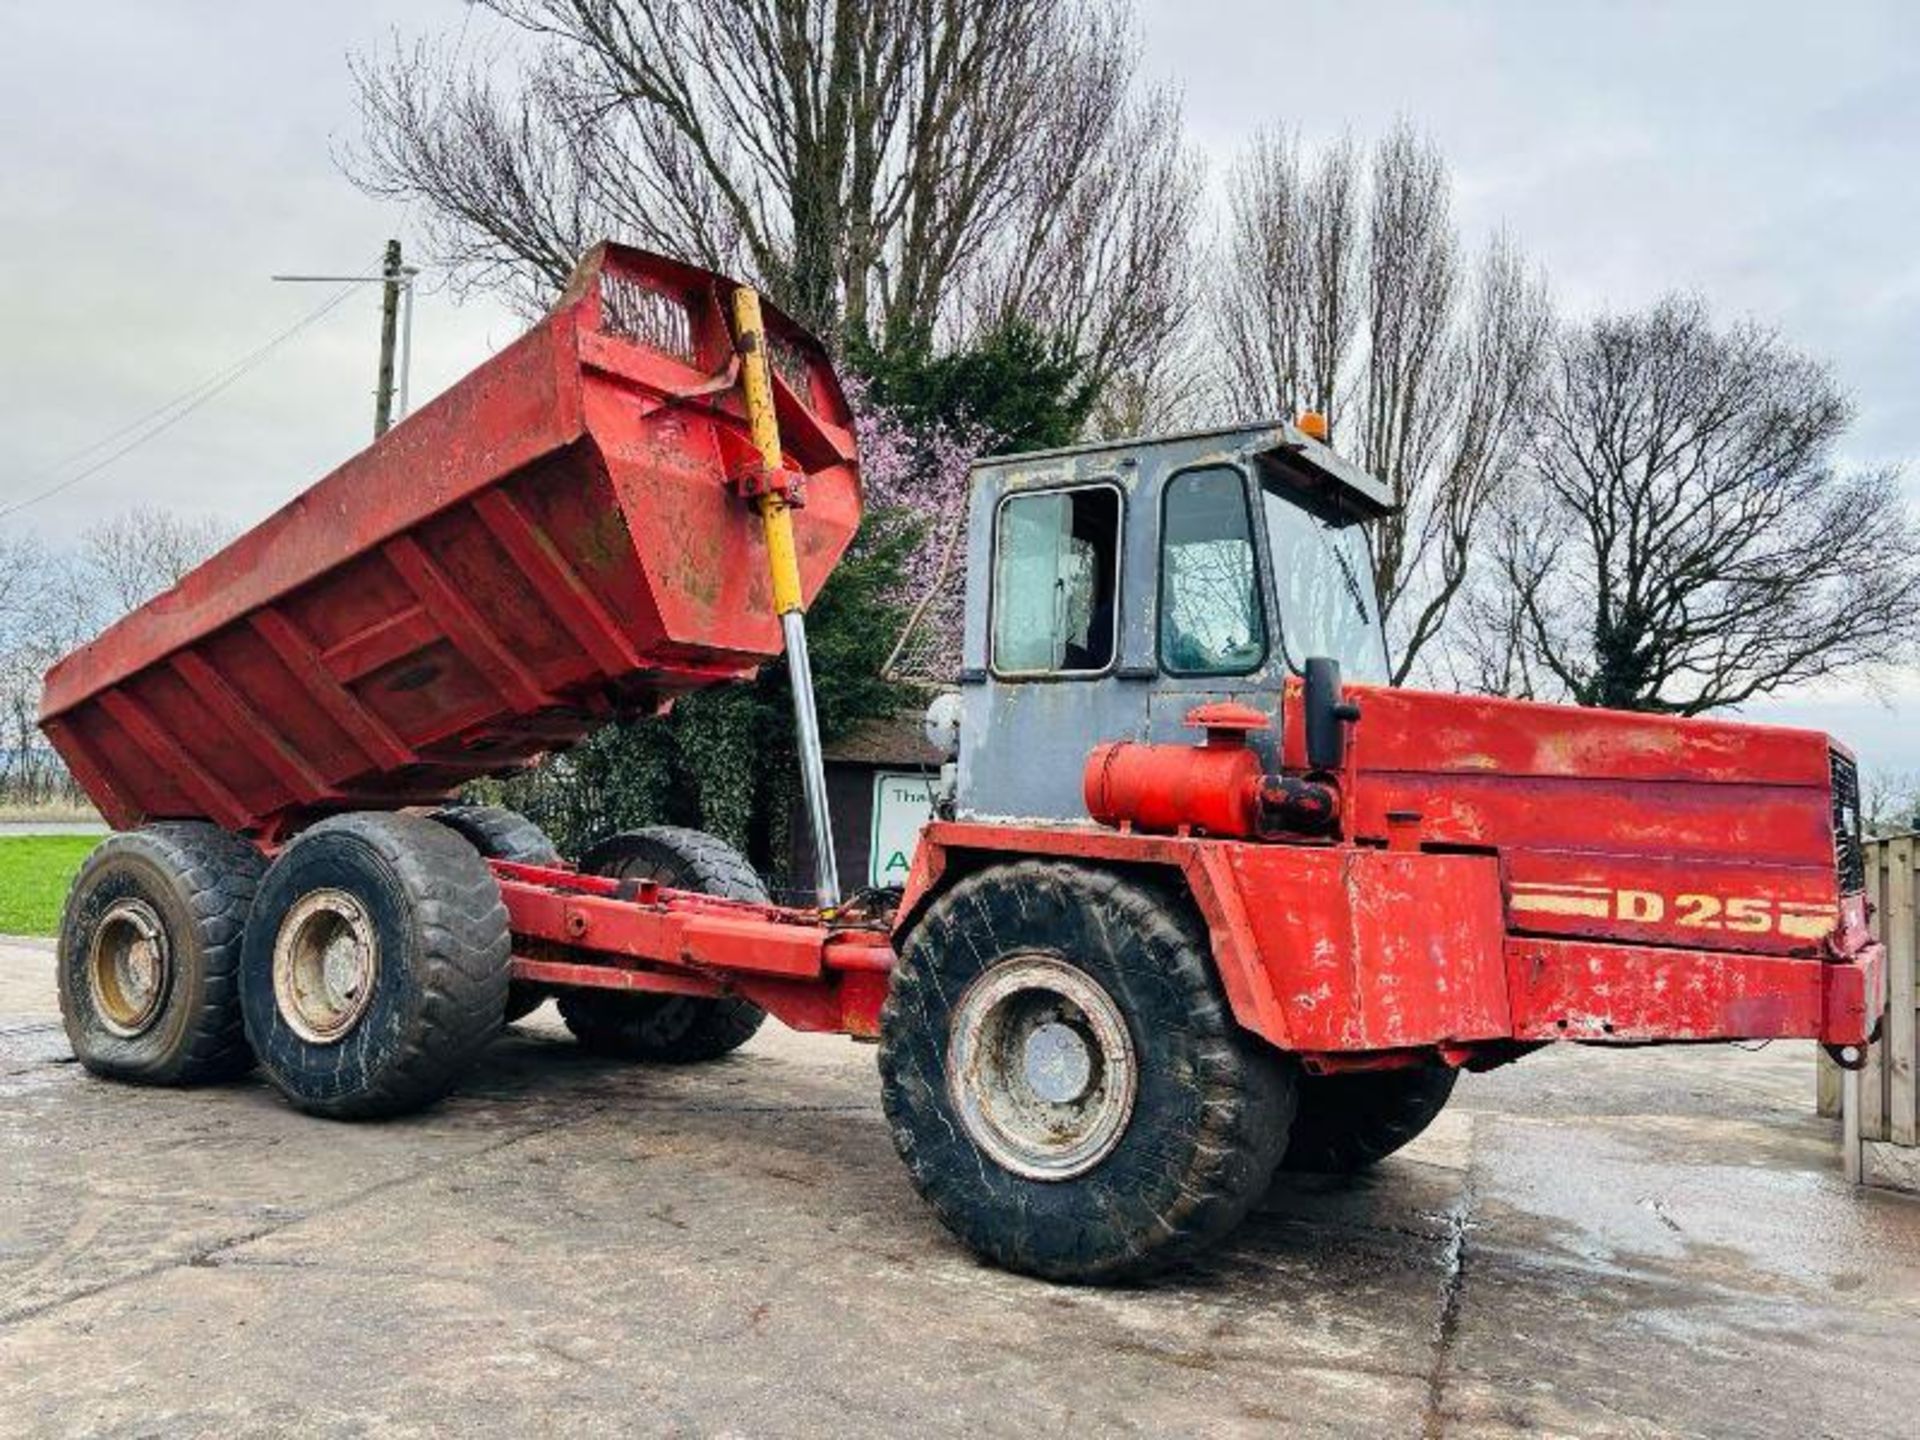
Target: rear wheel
{"x":502,"y":834}
{"x":1348,"y":1122}
{"x":679,"y":1029}
{"x":1064,"y":1080}
{"x":375,"y":965}
{"x":149,"y":955}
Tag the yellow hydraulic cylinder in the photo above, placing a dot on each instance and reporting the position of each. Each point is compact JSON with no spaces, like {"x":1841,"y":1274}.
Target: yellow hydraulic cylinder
{"x":756,"y":384}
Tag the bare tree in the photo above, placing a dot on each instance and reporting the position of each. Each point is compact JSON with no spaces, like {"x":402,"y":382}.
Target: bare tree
{"x":1100,"y":250}
{"x":1286,"y":308}
{"x":1890,"y":802}
{"x":1689,"y":541}
{"x":52,"y":601}
{"x":35,"y":595}
{"x":865,"y":162}
{"x":130,"y":557}
{"x":20,"y":565}
{"x":1341,"y":288}
{"x":21,"y":562}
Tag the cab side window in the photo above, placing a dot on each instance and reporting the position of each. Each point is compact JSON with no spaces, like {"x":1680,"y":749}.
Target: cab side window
{"x":1211,"y":618}
{"x":1055,"y":582}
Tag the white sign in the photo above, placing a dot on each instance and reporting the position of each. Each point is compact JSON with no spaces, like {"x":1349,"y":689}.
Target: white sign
{"x":902,"y":803}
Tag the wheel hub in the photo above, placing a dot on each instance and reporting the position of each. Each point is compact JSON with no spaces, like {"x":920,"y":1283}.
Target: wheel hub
{"x":1041,"y":1067}
{"x":129,"y":967}
{"x":1059,"y":1064}
{"x":326,"y":960}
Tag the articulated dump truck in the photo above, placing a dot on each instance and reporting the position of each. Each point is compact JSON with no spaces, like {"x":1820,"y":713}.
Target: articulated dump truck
{"x":1207,"y":902}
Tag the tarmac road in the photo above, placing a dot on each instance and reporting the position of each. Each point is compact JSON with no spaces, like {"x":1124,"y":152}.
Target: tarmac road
{"x":1638,"y":1243}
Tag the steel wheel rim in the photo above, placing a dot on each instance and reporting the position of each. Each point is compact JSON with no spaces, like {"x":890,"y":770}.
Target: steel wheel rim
{"x":1041,"y":1068}
{"x":129,"y":968}
{"x":326,"y":964}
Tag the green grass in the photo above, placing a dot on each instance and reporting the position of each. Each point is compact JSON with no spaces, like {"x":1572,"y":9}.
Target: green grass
{"x":35,"y":871}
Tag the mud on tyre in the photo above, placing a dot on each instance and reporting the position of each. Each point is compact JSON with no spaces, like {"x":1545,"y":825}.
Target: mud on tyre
{"x":375,"y":965}
{"x":677,"y":1029}
{"x":1063,"y":1078}
{"x":149,"y":955}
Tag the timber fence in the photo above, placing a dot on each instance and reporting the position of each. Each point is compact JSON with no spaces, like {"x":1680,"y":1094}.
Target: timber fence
{"x":1879,"y":1105}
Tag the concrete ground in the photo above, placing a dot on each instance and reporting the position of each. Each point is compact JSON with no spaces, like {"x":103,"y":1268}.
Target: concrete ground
{"x":1585,"y":1244}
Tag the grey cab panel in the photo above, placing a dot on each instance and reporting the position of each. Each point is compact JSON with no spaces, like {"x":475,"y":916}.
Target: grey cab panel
{"x":1113,"y":588}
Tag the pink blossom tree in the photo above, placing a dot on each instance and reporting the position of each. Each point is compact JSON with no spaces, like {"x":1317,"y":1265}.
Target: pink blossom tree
{"x":917,"y":474}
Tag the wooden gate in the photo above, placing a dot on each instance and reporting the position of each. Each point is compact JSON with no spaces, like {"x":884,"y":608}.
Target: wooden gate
{"x":1879,"y":1105}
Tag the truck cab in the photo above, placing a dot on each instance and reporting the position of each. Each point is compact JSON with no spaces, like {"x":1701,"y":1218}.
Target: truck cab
{"x":1113,"y":588}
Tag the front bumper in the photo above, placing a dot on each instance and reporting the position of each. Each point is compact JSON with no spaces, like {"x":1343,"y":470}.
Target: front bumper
{"x":1853,"y":995}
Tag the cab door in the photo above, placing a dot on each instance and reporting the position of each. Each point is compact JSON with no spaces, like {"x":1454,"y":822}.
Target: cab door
{"x":1213,"y":635}
{"x":1051,"y":624}
{"x":1108,"y":596}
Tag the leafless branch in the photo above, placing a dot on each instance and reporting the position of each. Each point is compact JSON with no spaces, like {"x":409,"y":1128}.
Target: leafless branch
{"x":1341,"y":289}
{"x":1706,"y":548}
{"x":893,"y":169}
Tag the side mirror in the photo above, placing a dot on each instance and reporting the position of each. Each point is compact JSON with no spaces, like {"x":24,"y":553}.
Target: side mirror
{"x":1328,"y":714}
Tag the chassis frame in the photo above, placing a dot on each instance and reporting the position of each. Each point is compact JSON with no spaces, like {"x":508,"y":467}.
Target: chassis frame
{"x":1386,"y":957}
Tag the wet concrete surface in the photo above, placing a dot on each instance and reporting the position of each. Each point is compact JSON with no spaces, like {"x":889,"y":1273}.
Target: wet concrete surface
{"x":1643,"y":1243}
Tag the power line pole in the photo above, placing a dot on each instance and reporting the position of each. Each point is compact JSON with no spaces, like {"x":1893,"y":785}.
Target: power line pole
{"x":396,"y":325}
{"x":390,"y":274}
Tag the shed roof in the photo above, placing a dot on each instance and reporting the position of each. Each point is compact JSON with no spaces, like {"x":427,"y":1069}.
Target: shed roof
{"x":894,"y":740}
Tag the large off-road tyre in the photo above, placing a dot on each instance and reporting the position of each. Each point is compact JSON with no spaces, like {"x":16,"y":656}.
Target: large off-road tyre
{"x":375,"y":965}
{"x":1064,"y":1080}
{"x":678,"y":1029}
{"x":1348,"y":1122}
{"x":149,"y":955}
{"x":502,"y":834}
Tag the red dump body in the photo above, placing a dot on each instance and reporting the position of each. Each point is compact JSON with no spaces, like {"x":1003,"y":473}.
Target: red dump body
{"x":551,"y":542}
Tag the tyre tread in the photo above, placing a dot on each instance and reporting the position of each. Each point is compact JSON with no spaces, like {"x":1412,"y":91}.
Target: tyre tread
{"x":1350,"y":1122}
{"x":217,"y":873}
{"x":499,"y":833}
{"x":502,"y":834}
{"x":674,"y":1029}
{"x":462,"y":961}
{"x":1246,"y":1096}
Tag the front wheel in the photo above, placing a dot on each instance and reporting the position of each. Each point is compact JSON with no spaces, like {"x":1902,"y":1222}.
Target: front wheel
{"x":1064,"y":1080}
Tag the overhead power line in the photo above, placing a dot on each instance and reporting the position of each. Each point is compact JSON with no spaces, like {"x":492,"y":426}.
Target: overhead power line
{"x":164,"y":417}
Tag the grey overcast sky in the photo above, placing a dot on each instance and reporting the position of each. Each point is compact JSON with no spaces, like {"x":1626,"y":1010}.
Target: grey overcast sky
{"x":159,"y":159}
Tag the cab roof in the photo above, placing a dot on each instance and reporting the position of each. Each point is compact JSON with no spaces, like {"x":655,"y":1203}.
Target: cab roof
{"x":1276,"y":446}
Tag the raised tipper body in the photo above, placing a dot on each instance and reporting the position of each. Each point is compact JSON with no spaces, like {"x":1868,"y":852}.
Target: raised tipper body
{"x":556,"y":540}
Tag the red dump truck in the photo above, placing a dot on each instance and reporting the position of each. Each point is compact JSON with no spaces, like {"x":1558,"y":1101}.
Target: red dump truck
{"x":1199,"y":910}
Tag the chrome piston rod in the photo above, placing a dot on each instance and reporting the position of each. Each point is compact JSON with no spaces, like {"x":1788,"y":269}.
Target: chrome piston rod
{"x":783,"y":564}
{"x":813,"y":765}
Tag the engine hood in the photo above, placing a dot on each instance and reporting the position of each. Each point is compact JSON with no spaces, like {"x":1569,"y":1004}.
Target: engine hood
{"x":1653,"y":829}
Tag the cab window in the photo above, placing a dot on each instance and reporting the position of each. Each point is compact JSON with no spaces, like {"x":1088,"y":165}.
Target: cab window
{"x":1056,"y":573}
{"x":1211,"y":621}
{"x":1323,"y":572}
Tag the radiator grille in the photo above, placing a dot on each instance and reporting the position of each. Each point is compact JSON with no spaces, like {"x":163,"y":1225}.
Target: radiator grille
{"x":1849,"y":858}
{"x":639,"y":313}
